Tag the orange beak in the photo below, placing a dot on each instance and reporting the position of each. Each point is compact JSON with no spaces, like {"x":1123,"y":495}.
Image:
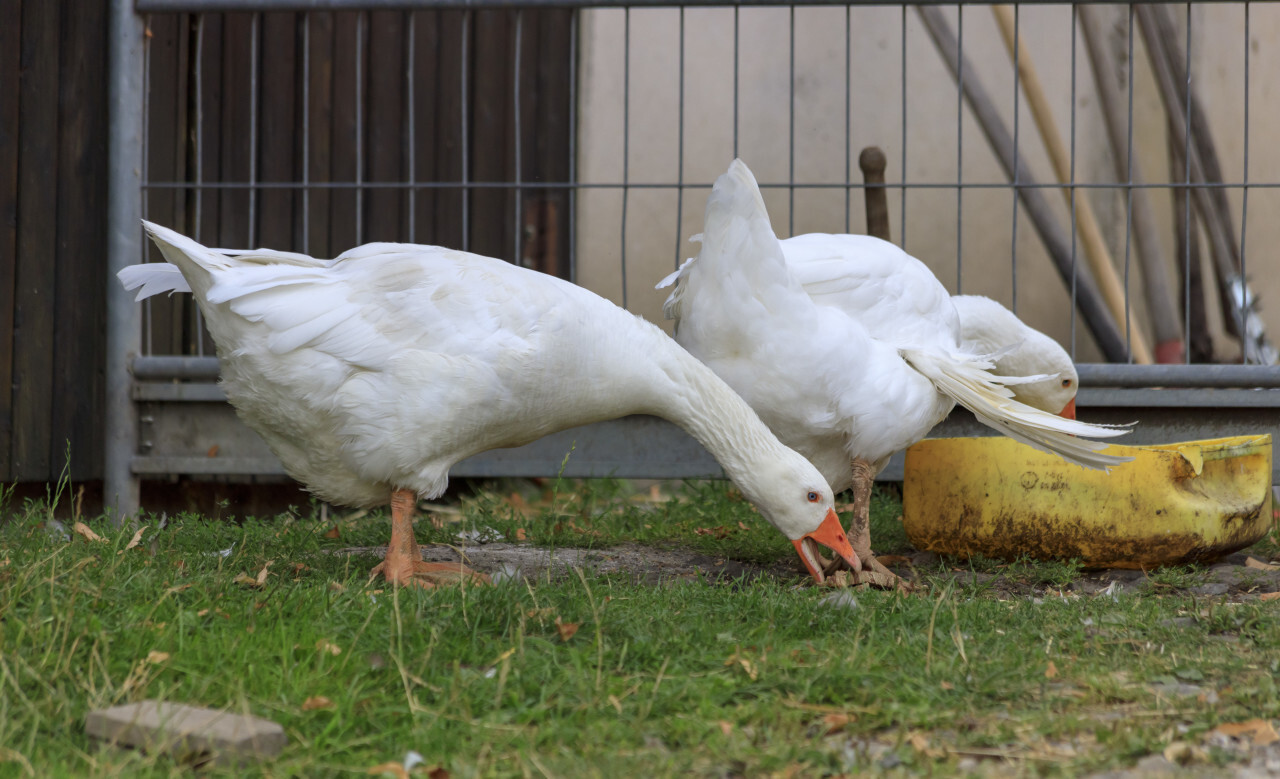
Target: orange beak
{"x":1069,"y":411}
{"x":831,"y":535}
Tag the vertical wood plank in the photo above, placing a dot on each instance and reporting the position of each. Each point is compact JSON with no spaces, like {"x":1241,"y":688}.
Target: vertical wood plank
{"x":276,"y":141}
{"x":163,"y":153}
{"x":385,"y":138}
{"x":319,"y":131}
{"x":209,"y":76}
{"x":447,"y":119}
{"x":342,"y":165}
{"x":79,"y":342}
{"x":236,"y":113}
{"x":551,"y":127}
{"x":493,"y":133}
{"x":10,"y":43}
{"x":37,"y":234}
{"x":427,"y":82}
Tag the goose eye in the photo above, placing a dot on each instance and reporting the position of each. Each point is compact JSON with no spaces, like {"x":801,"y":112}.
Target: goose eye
{"x":813,"y":497}
{"x":1066,"y":382}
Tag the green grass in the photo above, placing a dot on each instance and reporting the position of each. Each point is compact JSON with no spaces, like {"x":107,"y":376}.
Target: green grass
{"x":752,"y":678}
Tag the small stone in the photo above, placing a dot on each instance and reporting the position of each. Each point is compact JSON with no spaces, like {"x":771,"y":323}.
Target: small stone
{"x":189,"y":733}
{"x":1210,"y":589}
{"x":842,"y":599}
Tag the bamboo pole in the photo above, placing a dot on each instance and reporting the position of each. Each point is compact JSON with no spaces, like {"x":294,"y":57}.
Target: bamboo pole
{"x":1095,"y":247}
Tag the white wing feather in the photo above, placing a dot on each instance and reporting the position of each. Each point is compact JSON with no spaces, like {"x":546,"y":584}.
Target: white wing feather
{"x":969,"y":382}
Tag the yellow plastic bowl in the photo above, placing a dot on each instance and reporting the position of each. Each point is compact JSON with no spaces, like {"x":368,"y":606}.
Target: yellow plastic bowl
{"x":1174,"y":503}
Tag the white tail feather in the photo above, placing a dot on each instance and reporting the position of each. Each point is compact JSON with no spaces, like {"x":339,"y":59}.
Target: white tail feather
{"x":969,"y":383}
{"x":154,"y":278}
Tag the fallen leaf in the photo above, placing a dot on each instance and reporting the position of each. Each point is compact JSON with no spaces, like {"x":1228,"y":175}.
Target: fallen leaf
{"x":202,"y":612}
{"x":84,"y":530}
{"x":245,"y":579}
{"x":1259,"y":731}
{"x":1269,"y":595}
{"x":213,"y":451}
{"x":317,"y":702}
{"x":298,"y":568}
{"x":719,"y":531}
{"x":567,"y":629}
{"x":325,"y":645}
{"x":921,"y":744}
{"x":893,"y":559}
{"x":1051,"y":672}
{"x":517,"y":502}
{"x":438,"y":772}
{"x":262,"y":575}
{"x":137,"y":538}
{"x":333,"y":532}
{"x":1253,"y":562}
{"x":836,"y":721}
{"x":521,"y":535}
{"x":947,"y":686}
{"x":726,"y":727}
{"x":838,"y":579}
{"x":395,"y":769}
{"x":179,"y":588}
{"x":1182,"y":753}
{"x":155,"y":657}
{"x":746,"y":664}
{"x":337,"y":586}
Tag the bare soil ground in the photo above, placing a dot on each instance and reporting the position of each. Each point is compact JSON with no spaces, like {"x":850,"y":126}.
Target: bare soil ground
{"x":1232,"y":577}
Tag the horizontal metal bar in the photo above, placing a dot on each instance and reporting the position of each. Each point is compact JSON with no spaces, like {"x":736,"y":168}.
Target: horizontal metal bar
{"x":648,"y":447}
{"x":173,"y":6}
{"x":1185,"y":399}
{"x":545,"y":185}
{"x":1188,"y":376}
{"x":153,"y":465}
{"x":169,"y":367}
{"x":168,"y":392}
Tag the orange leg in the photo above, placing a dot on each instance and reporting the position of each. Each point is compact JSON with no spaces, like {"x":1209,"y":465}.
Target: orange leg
{"x":873,"y":571}
{"x":403,"y":564}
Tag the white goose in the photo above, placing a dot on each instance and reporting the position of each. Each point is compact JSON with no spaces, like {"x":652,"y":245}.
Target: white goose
{"x":857,"y":272}
{"x":371,"y":374}
{"x":852,"y":363}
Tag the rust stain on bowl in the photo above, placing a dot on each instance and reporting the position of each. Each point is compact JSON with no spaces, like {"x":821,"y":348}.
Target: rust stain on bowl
{"x":1175,"y":503}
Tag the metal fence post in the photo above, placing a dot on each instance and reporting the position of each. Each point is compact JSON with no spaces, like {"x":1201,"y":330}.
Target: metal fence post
{"x":124,"y":235}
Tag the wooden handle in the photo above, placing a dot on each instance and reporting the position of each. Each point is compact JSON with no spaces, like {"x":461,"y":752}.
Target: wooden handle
{"x":1056,"y":240}
{"x":1095,"y":248}
{"x":872,"y":162}
{"x":1162,"y":303}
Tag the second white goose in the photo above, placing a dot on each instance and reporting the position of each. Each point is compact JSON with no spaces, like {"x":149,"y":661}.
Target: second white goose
{"x":844,"y":370}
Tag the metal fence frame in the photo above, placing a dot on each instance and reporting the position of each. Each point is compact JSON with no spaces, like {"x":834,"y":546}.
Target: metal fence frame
{"x":1193,"y":401}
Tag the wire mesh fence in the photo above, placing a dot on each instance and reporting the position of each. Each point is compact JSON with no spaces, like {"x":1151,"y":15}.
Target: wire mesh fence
{"x":583,"y":141}
{"x":1110,"y":188}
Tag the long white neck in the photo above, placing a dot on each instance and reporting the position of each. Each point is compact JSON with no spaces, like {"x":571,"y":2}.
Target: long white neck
{"x":701,"y":403}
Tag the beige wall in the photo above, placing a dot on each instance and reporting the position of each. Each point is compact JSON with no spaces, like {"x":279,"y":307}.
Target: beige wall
{"x":656,"y":229}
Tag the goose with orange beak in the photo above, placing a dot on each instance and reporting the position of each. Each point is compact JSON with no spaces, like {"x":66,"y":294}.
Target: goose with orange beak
{"x":848,"y":361}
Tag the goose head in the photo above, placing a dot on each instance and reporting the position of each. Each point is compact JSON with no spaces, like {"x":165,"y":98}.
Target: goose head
{"x":795,"y":498}
{"x":987,"y":326}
